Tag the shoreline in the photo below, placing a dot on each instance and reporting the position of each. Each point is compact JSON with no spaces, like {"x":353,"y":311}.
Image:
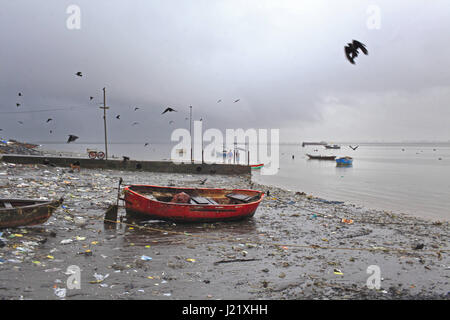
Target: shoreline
{"x":295,"y":244}
{"x":368,"y":207}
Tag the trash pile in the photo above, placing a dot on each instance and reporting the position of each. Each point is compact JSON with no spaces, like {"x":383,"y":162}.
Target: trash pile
{"x":296,"y":247}
{"x":16,"y":147}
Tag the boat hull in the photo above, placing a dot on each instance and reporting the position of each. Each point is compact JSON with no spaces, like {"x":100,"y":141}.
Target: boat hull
{"x":32,"y":212}
{"x":344,"y":161}
{"x":313,"y":157}
{"x":138,"y":204}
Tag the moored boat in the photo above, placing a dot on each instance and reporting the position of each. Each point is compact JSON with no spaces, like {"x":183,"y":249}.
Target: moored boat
{"x":320,"y":157}
{"x":191,"y":204}
{"x":334,"y":146}
{"x":257,"y":166}
{"x":344,"y":161}
{"x":22,"y":212}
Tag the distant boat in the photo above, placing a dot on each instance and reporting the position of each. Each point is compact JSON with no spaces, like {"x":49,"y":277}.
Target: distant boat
{"x":319,"y":157}
{"x":321,"y":143}
{"x":344,"y":161}
{"x":334,"y":146}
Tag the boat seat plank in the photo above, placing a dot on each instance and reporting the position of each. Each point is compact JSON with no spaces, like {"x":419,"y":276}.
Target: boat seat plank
{"x":240,"y":197}
{"x":7,"y":205}
{"x":202,"y":200}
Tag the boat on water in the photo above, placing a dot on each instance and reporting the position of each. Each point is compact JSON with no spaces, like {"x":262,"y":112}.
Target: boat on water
{"x":321,"y":143}
{"x":22,"y":212}
{"x":320,"y":157}
{"x":191,"y":204}
{"x":332,"y":146}
{"x":344,"y":161}
{"x":257,"y":166}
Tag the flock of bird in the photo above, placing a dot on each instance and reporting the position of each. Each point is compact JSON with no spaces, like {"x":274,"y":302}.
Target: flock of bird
{"x":351,"y":52}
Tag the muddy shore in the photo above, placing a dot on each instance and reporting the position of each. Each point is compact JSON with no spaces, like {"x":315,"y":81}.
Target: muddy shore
{"x":295,"y":247}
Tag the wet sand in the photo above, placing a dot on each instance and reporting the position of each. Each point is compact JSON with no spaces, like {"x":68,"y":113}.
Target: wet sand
{"x":295,"y":247}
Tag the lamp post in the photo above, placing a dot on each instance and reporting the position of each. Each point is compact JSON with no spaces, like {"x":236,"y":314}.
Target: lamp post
{"x":104,"y":122}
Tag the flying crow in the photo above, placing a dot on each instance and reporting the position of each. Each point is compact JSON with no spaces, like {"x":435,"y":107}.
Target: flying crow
{"x":71,"y":138}
{"x":49,"y":119}
{"x":118,"y":116}
{"x":169,"y":109}
{"x":79,"y":74}
{"x":353,"y":148}
{"x":236,"y":100}
{"x":351,"y":50}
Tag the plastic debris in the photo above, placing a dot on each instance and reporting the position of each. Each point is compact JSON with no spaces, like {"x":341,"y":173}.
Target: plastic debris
{"x":338,"y":272}
{"x":66,"y":241}
{"x":60,"y":292}
{"x":348,"y":221}
{"x":99,"y":278}
{"x":146,"y":258}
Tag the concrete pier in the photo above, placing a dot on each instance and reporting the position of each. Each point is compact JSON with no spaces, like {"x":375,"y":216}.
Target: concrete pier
{"x":133,"y":165}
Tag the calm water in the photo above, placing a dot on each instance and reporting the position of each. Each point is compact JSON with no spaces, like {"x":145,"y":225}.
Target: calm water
{"x":382,"y":176}
{"x":412,"y":181}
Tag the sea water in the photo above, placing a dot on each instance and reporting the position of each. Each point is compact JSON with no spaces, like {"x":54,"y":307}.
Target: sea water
{"x":412,"y":178}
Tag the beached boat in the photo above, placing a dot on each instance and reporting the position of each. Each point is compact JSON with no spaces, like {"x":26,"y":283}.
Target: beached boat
{"x":344,"y":161}
{"x":332,"y":146}
{"x":191,"y":204}
{"x":257,"y":166}
{"x":319,"y":157}
{"x":21,"y":212}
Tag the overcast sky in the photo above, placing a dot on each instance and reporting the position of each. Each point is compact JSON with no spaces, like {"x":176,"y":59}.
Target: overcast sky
{"x":284,"y":60}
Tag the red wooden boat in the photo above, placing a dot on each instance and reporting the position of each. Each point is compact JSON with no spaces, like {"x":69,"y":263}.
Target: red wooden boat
{"x":195,"y":204}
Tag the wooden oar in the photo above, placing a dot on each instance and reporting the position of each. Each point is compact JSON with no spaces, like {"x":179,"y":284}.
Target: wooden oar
{"x":111,"y":212}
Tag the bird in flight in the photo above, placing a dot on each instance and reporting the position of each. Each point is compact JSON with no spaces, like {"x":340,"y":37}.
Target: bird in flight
{"x":20,"y":122}
{"x":20,"y":94}
{"x":171,"y":122}
{"x":220,"y":100}
{"x":353,"y":148}
{"x":118,"y":116}
{"x":351,"y":50}
{"x":136,"y":108}
{"x":49,"y":119}
{"x":71,"y":138}
{"x":90,"y":98}
{"x":135,"y":123}
{"x":169,"y":109}
{"x":79,"y":74}
{"x":146,"y":144}
{"x":17,"y":105}
{"x":236,"y":100}
{"x":51,"y":131}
